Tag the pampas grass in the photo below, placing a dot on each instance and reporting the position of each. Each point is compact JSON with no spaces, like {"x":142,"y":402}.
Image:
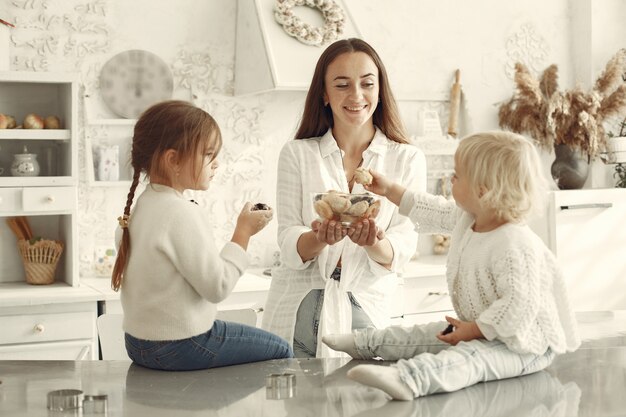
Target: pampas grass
{"x":574,"y":117}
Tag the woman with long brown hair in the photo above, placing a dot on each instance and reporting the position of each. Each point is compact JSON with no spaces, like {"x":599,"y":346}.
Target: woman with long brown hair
{"x":334,"y":277}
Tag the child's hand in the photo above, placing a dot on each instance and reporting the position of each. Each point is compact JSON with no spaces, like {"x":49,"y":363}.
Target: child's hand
{"x":328,"y":231}
{"x":366,"y":233}
{"x":380,"y":184}
{"x":464,"y":331}
{"x":250,"y":222}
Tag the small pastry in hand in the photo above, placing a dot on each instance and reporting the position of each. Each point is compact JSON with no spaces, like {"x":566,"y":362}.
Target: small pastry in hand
{"x":337,"y":202}
{"x":358,"y":209}
{"x":363,"y":176}
{"x":323,"y":209}
{"x":260,"y":206}
{"x":373,"y":210}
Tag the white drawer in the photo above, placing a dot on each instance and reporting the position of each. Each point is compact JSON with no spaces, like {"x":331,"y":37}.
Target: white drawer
{"x":70,"y":350}
{"x":48,"y":198}
{"x":10,"y":199}
{"x":423,"y":295}
{"x":32,"y":328}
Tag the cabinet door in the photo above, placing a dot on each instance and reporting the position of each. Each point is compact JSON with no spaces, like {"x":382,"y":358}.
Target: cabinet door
{"x":589,"y":241}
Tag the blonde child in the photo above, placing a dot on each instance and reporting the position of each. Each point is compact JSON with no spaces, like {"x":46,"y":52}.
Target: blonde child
{"x":507,"y":291}
{"x":173,"y":276}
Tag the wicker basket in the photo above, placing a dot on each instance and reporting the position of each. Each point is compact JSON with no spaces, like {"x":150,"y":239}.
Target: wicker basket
{"x":40,"y":260}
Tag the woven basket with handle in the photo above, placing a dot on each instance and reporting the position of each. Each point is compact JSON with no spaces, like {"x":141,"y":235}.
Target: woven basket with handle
{"x":40,"y":260}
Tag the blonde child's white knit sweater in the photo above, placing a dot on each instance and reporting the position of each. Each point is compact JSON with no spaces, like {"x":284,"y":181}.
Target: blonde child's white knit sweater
{"x":505,"y":280}
{"x":175,"y":275}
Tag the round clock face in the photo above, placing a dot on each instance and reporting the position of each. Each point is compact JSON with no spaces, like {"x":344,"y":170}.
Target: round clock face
{"x":133,"y":80}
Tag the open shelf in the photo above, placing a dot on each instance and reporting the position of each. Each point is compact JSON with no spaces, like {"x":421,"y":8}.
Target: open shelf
{"x":35,"y":134}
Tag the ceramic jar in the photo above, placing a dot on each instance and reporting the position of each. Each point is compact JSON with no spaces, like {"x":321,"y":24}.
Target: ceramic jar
{"x":25,"y":165}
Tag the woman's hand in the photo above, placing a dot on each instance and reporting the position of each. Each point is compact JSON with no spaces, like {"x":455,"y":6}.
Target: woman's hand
{"x":328,"y":231}
{"x":464,"y":331}
{"x":365,"y":233}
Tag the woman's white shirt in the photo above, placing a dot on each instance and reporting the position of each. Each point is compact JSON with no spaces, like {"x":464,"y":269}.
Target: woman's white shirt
{"x":310,"y":166}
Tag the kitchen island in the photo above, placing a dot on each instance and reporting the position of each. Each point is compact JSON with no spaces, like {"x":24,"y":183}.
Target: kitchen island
{"x":588,"y":382}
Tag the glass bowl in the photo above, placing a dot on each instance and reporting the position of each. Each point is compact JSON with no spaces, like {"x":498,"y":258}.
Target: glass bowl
{"x":346,"y":208}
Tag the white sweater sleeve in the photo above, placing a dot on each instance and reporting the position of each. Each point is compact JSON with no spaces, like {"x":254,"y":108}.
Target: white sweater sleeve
{"x":512,"y":316}
{"x":430,"y":213}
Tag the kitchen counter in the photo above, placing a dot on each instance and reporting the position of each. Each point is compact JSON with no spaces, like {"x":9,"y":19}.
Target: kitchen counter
{"x":16,"y":294}
{"x":588,"y":382}
{"x":252,"y":280}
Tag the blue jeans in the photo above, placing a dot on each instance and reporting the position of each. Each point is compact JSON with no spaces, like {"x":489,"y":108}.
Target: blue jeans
{"x":226,"y":343}
{"x":428,"y":365}
{"x":308,"y":320}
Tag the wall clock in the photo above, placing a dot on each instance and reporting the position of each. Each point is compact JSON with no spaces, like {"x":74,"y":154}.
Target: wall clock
{"x":133,"y":80}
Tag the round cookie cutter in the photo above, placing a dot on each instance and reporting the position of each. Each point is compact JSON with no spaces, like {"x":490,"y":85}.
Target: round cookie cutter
{"x":280,"y":386}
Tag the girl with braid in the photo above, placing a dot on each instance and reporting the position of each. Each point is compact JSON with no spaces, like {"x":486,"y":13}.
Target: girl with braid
{"x":173,"y":276}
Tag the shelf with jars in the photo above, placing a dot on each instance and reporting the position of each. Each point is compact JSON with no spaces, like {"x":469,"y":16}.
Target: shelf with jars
{"x":38,"y":169}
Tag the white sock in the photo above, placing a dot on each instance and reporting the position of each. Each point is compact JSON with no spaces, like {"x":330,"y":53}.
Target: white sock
{"x":386,"y":378}
{"x":341,"y":343}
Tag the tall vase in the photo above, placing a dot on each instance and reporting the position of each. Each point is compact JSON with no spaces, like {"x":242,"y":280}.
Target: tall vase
{"x":570,"y":168}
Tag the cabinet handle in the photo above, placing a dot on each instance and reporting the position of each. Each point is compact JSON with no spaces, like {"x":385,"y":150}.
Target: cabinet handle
{"x":437,"y":293}
{"x":40,"y":328}
{"x":586,"y":206}
{"x":50,"y":199}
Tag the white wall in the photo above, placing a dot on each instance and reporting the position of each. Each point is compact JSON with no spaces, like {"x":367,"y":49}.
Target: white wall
{"x":421,"y":43}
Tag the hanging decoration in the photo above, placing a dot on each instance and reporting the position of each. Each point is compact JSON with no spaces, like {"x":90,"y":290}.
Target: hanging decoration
{"x":334,"y":21}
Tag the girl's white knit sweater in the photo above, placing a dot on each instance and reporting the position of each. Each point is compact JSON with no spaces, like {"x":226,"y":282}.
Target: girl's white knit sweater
{"x":505,"y":280}
{"x":175,"y":274}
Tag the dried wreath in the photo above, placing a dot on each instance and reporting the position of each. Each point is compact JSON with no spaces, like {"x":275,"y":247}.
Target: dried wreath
{"x":305,"y":33}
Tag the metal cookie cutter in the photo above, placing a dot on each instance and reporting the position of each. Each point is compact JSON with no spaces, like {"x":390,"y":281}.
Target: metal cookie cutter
{"x":68,"y":400}
{"x":95,"y":404}
{"x":65,"y":399}
{"x":280,"y":386}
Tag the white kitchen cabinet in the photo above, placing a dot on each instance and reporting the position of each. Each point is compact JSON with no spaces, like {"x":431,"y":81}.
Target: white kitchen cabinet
{"x":267,"y":58}
{"x":250,"y":292}
{"x":48,"y":200}
{"x":424,"y":292}
{"x":49,"y":331}
{"x":585,"y":230}
{"x":55,"y":321}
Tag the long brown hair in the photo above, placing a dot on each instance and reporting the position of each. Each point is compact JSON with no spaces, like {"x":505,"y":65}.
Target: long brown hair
{"x":173,"y":124}
{"x":318,"y":118}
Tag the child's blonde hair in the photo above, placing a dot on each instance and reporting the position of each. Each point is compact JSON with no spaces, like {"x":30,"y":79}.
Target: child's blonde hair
{"x":504,"y":170}
{"x":172,"y":124}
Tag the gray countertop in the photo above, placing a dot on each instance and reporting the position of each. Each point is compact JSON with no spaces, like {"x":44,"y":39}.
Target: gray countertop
{"x":589,"y":382}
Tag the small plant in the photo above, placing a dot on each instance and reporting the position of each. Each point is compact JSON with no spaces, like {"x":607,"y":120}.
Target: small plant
{"x":620,"y":174}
